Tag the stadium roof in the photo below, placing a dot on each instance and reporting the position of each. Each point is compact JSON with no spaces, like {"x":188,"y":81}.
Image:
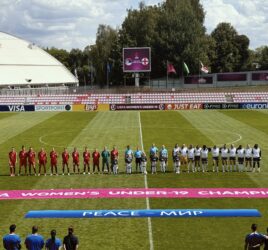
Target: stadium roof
{"x":24,"y":63}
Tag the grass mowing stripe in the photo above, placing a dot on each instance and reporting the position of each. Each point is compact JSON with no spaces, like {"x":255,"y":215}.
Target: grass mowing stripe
{"x":219,"y":127}
{"x":12,"y":126}
{"x":73,"y":123}
{"x":150,"y":231}
{"x":120,"y":128}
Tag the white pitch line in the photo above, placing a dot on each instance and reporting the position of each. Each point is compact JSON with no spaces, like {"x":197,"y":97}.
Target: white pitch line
{"x":150,"y":231}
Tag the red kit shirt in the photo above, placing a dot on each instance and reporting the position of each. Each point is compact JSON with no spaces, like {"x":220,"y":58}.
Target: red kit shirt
{"x":75,"y":156}
{"x":65,"y":157}
{"x":53,"y":157}
{"x":96,"y":157}
{"x":12,"y":157}
{"x":114,"y":154}
{"x":23,"y":156}
{"x":42,"y":157}
{"x":86,"y":156}
{"x":31,"y":157}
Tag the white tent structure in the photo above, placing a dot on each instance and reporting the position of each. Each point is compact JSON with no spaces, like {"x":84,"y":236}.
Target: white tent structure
{"x":23,"y":64}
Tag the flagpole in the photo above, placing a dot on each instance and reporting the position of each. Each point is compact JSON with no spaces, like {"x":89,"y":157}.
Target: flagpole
{"x":167,"y":76}
{"x":107,"y":75}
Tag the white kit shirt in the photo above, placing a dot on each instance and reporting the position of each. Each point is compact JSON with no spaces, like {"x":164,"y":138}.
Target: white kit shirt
{"x":232,"y":152}
{"x":197,"y":151}
{"x":241,"y":153}
{"x":184,"y":151}
{"x":256,"y":152}
{"x":224,"y":152}
{"x":204,"y":153}
{"x":215,"y":152}
{"x":248,"y":152}
{"x":191,"y":153}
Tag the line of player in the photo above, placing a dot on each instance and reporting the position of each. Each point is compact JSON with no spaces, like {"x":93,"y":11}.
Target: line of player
{"x":192,"y":159}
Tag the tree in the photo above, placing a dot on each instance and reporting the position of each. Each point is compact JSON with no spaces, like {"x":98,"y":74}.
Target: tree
{"x":61,"y":55}
{"x":182,"y":33}
{"x":232,"y":50}
{"x":260,"y":56}
{"x":101,"y":51}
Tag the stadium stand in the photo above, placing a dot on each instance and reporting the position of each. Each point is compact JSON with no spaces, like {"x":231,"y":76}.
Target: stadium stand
{"x":136,"y":98}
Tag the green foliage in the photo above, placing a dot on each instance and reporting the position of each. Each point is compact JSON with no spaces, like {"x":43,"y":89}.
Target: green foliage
{"x":231,"y":50}
{"x":260,"y":56}
{"x":175,"y":31}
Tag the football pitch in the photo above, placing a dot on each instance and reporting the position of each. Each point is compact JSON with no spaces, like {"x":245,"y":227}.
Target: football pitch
{"x":96,"y":130}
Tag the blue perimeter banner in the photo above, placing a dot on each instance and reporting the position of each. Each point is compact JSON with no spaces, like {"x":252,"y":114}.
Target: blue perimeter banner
{"x":254,"y":105}
{"x":164,"y":213}
{"x":16,"y":108}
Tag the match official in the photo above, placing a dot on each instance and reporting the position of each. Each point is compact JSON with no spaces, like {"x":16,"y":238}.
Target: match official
{"x":11,"y":240}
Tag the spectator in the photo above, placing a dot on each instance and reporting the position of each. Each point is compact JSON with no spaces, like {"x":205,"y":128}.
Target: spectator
{"x":266,"y":241}
{"x":70,"y":242}
{"x":254,"y":240}
{"x":12,"y":241}
{"x":53,"y":243}
{"x":34,"y":241}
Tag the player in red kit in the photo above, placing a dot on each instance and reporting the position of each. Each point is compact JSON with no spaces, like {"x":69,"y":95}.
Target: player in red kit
{"x":65,"y":161}
{"x":75,"y":156}
{"x":12,"y":156}
{"x":42,"y":160}
{"x":53,"y":161}
{"x":31,"y":161}
{"x":114,"y":154}
{"x":96,"y":160}
{"x":86,"y":157}
{"x":23,"y":160}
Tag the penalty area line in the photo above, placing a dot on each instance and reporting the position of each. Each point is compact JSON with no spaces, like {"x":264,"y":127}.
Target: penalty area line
{"x":150,"y":231}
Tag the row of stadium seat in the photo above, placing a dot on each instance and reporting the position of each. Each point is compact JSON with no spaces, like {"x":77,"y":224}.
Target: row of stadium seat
{"x":138,"y":98}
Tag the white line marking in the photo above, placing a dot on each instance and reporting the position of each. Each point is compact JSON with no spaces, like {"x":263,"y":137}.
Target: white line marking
{"x":150,"y":231}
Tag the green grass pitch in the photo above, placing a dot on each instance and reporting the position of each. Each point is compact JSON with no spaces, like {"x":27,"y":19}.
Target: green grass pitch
{"x":122,"y":128}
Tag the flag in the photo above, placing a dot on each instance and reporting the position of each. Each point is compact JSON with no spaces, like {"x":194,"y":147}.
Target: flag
{"x":75,"y":73}
{"x":170,"y":68}
{"x":186,"y":69}
{"x":203,"y":68}
{"x":108,"y":67}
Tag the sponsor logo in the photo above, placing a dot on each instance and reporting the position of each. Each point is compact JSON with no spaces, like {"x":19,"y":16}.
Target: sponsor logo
{"x":254,"y":106}
{"x":184,"y":106}
{"x":16,"y":108}
{"x":114,"y":107}
{"x":53,"y":107}
{"x":230,"y":106}
{"x":91,"y":107}
{"x":212,"y":106}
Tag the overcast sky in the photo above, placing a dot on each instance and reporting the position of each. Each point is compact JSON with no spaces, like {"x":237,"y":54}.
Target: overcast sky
{"x":73,"y":23}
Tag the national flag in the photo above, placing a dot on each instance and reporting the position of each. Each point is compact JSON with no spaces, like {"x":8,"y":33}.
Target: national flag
{"x":186,"y":69}
{"x":170,"y":68}
{"x":203,"y":68}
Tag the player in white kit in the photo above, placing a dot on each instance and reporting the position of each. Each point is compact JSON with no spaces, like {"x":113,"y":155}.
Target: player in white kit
{"x":232,"y":158}
{"x":248,"y":158}
{"x":240,"y":158}
{"x":204,"y":158}
{"x":224,"y":156}
{"x":215,"y":151}
{"x":184,"y":160}
{"x":197,"y":156}
{"x":256,"y":155}
{"x":176,"y":158}
{"x":143,"y":163}
{"x":190,"y":156}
